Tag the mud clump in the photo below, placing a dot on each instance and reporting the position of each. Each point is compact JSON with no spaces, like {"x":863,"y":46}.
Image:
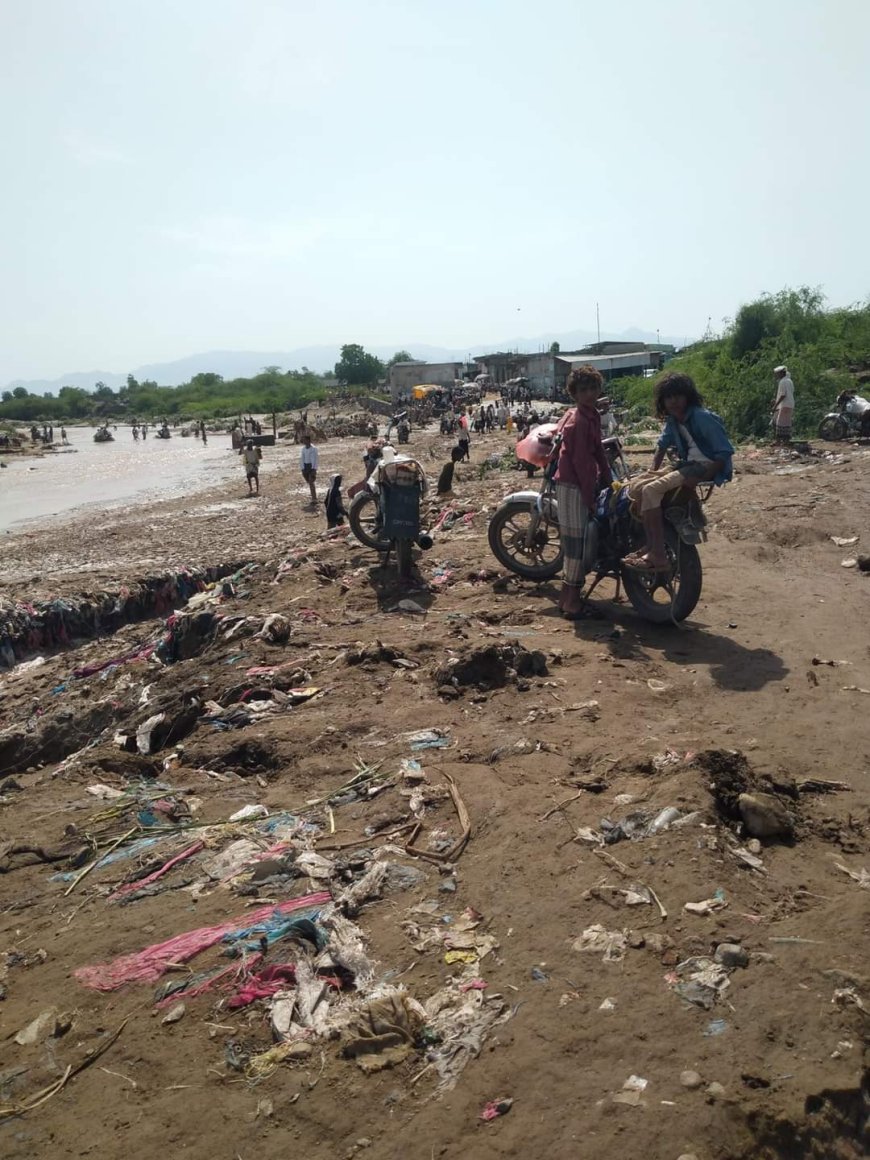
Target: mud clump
{"x":246,"y":759}
{"x":375,"y":653}
{"x":730,"y":776}
{"x":835,"y":1126}
{"x":492,"y":667}
{"x":742,"y":795}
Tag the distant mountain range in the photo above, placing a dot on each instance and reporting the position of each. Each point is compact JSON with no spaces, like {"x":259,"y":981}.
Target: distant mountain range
{"x":243,"y":363}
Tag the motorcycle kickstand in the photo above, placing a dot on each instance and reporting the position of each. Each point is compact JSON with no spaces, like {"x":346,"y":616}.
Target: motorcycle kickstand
{"x":595,"y":584}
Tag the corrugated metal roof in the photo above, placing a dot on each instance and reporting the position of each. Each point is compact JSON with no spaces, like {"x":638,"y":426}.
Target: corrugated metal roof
{"x":635,"y":358}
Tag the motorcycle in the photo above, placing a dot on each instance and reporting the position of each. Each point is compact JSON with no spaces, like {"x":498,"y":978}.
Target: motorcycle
{"x":524,"y":538}
{"x":616,"y":457}
{"x":851,"y":419}
{"x":538,"y":444}
{"x":402,"y":426}
{"x":384,"y":513}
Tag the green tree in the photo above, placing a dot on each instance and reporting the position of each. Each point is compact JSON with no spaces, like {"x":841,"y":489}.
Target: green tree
{"x":20,"y":393}
{"x":7,"y":395}
{"x":554,"y":348}
{"x":400,"y":356}
{"x":101,"y":391}
{"x":356,"y":367}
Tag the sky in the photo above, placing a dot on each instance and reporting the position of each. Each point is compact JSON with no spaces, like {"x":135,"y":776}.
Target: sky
{"x":266,"y":174}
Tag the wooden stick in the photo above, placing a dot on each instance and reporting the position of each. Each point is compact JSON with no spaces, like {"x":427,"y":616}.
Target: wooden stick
{"x":611,"y":861}
{"x":458,"y":846}
{"x":89,"y":868}
{"x":559,"y":805}
{"x":43,"y":1096}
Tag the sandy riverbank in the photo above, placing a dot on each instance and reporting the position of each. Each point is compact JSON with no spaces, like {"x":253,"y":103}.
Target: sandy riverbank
{"x":626,"y":719}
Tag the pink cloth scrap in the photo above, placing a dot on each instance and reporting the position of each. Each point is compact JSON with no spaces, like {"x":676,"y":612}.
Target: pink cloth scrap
{"x":148,"y":964}
{"x":131,"y":887}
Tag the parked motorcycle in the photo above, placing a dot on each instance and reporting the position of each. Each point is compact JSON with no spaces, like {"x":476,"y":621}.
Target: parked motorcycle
{"x":402,"y":426}
{"x":616,"y":457}
{"x":384,"y":514}
{"x":851,"y":418}
{"x":524,"y":538}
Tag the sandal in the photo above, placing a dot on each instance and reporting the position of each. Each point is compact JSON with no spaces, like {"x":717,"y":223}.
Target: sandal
{"x":639,"y":564}
{"x":584,"y":613}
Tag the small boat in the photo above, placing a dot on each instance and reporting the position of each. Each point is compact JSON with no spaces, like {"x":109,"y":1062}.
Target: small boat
{"x":104,"y":435}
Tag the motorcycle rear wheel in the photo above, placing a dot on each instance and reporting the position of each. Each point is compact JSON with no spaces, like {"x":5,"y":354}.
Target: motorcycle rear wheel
{"x":833,"y":428}
{"x":364,"y":517}
{"x":508,"y":531}
{"x":404,"y":561}
{"x":651,"y":597}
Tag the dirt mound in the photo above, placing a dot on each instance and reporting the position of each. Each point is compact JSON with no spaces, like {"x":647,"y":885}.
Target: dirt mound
{"x":491,"y":667}
{"x":764,"y":804}
{"x":797,"y":535}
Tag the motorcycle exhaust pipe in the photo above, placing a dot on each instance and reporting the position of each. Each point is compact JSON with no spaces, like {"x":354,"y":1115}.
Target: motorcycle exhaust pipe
{"x":425,"y":541}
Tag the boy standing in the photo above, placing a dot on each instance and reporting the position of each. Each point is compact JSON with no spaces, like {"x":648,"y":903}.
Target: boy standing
{"x":308,"y":465}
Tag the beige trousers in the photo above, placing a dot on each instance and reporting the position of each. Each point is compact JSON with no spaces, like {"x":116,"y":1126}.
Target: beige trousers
{"x":654,"y":492}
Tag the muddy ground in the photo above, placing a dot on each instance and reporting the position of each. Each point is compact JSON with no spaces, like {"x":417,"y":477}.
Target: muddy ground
{"x":763,"y":691}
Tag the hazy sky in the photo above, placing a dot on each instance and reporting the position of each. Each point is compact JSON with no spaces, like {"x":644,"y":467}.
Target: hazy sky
{"x":183,"y":175}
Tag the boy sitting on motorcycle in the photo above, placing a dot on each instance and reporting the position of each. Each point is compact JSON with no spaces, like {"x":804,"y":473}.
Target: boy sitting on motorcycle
{"x":704,"y":455}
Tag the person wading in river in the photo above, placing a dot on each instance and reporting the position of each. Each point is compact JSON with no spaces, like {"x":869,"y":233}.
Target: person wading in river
{"x":582,"y":462}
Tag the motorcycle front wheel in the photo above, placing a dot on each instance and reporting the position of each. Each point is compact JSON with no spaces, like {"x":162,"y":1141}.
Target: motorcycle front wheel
{"x":534,"y":555}
{"x":364,"y":517}
{"x":833,"y":428}
{"x":662,"y":600}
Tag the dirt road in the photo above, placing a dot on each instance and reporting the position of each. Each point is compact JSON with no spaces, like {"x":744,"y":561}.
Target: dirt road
{"x":606,"y":1016}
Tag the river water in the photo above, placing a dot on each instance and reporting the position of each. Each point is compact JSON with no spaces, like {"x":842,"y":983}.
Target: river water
{"x":110,"y":474}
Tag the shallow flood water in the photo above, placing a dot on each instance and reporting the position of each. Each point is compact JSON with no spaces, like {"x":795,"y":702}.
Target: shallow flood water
{"x":109,"y":474}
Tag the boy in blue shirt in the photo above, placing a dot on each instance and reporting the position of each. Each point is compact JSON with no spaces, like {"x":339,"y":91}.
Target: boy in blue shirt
{"x":704,"y":456}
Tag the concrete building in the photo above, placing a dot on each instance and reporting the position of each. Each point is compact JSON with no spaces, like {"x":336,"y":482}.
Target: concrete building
{"x":546,"y":372}
{"x":404,"y":376}
{"x":501,"y":365}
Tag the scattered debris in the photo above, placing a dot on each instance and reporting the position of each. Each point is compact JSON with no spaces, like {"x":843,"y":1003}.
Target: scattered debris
{"x":700,"y":982}
{"x":610,"y":944}
{"x":862,"y":876}
{"x":632,"y":1092}
{"x":49,"y":1024}
{"x":174,"y":1014}
{"x":708,"y":906}
{"x":644,"y":824}
{"x":496,"y":1108}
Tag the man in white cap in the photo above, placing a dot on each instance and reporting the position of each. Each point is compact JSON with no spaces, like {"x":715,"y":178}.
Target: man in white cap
{"x":783,"y":405}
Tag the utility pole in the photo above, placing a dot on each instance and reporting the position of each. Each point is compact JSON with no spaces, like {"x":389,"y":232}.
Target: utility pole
{"x":598,"y":322}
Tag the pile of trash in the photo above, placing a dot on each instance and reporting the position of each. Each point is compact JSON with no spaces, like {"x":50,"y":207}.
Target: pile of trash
{"x":298,"y":952}
{"x":345,"y":426}
{"x":51,"y":624}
